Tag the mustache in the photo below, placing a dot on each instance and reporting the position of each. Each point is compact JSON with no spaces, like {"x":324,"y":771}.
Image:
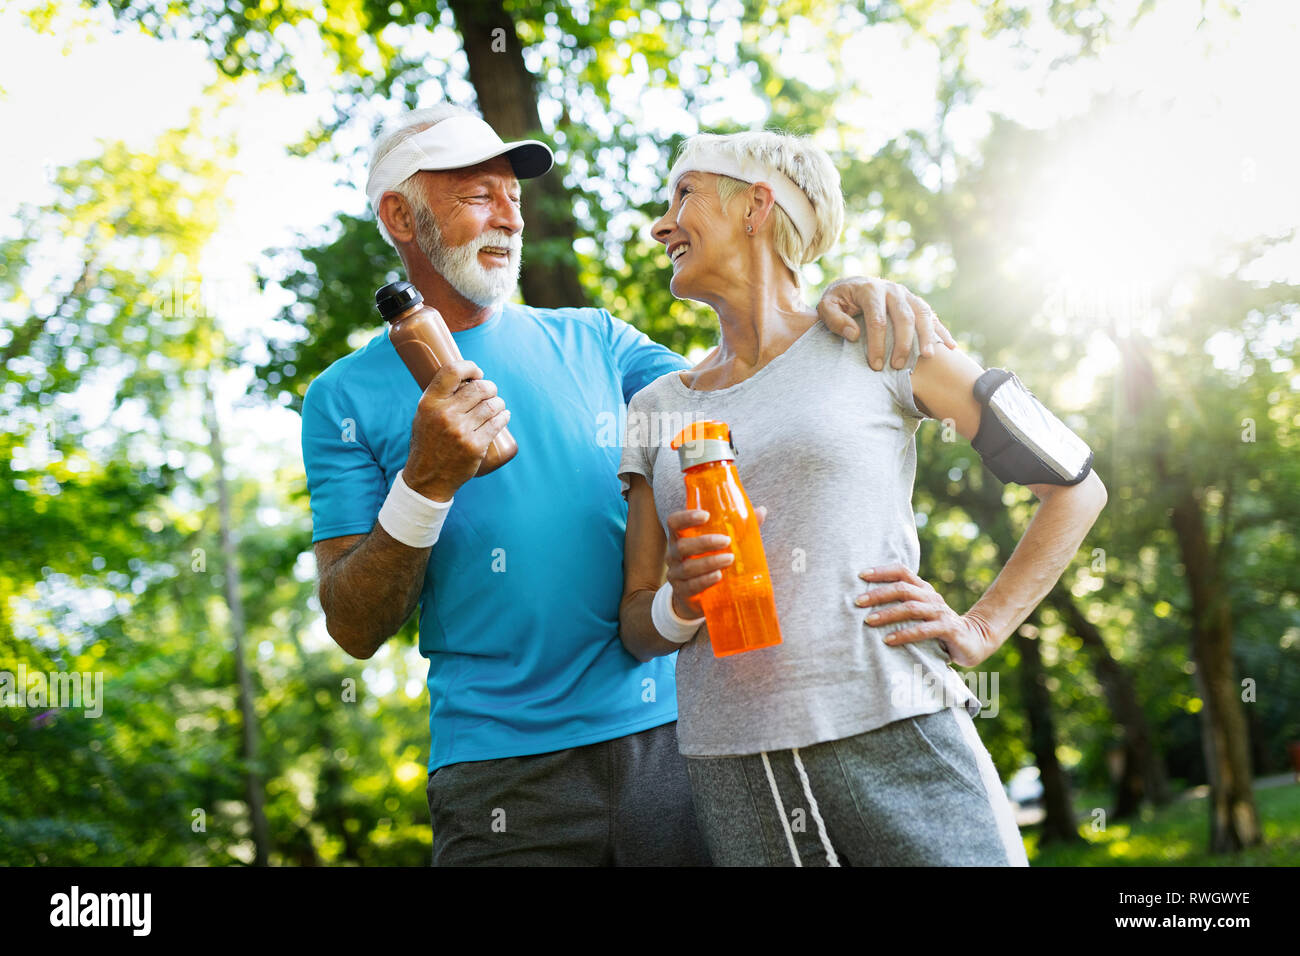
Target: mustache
{"x":501,"y":240}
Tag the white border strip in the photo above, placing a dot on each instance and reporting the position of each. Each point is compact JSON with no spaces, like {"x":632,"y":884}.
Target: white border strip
{"x":998,"y":802}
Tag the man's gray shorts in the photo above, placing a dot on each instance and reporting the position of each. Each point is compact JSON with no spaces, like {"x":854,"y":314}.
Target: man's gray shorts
{"x":917,"y":792}
{"x":622,"y":802}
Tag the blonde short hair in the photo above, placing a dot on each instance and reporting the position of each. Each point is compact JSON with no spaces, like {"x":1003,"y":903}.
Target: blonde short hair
{"x":808,"y":167}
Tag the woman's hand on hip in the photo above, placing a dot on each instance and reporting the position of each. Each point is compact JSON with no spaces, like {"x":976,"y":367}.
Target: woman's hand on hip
{"x":967,"y":638}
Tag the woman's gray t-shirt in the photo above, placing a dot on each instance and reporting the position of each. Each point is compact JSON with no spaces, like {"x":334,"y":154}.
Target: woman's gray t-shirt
{"x":827,"y":445}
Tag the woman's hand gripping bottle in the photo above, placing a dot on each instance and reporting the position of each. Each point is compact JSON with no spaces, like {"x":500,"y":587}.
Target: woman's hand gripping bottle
{"x":740,"y":609}
{"x":425,"y":344}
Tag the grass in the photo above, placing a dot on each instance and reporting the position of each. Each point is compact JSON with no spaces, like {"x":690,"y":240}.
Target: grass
{"x":1175,"y":835}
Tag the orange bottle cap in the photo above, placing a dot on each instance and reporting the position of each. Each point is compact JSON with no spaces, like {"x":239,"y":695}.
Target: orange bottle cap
{"x":702,"y":442}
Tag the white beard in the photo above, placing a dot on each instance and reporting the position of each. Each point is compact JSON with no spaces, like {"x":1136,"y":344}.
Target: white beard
{"x":459,"y":265}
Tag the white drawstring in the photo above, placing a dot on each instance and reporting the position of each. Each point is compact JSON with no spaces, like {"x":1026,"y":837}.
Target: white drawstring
{"x":771,"y":782}
{"x":831,"y":858}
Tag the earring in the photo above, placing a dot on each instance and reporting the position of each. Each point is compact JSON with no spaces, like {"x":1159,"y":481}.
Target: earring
{"x":749,"y":229}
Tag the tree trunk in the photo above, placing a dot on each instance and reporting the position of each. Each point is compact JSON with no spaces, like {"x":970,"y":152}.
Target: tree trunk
{"x":1143,"y":774}
{"x":1234,"y":821}
{"x":20,"y":343}
{"x":507,"y":97}
{"x":1059,"y":824}
{"x":235,"y":604}
{"x":331,"y":783}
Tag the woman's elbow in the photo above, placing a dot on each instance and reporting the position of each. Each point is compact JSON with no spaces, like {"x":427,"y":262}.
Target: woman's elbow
{"x":626,"y":628}
{"x":628,"y":644}
{"x":1087,"y":500}
{"x":643,"y":654}
{"x":1097,"y":492}
{"x":1089,"y":494}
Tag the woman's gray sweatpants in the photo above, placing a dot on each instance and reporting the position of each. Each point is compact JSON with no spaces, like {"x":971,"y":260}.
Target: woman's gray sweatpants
{"x":921,"y":791}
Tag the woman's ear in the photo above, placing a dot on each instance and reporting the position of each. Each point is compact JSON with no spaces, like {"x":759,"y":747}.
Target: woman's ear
{"x":758,"y":204}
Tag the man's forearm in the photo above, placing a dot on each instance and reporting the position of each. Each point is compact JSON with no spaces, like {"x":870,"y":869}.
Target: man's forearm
{"x":368,"y":594}
{"x":1054,"y":535}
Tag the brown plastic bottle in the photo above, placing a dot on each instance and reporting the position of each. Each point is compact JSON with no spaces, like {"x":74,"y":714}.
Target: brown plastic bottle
{"x":425,"y":344}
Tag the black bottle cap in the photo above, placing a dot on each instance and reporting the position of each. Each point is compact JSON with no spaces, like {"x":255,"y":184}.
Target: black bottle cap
{"x":395,"y":298}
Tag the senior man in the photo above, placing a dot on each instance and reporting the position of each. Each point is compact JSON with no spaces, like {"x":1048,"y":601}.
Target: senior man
{"x":550,"y":743}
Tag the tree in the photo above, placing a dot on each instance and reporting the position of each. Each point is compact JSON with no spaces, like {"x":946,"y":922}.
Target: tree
{"x":1181,"y":450}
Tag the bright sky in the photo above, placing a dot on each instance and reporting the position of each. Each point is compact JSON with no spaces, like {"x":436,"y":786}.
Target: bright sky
{"x":1230,"y":139}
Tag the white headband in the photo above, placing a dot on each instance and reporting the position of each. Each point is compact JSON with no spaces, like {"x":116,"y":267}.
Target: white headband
{"x":454,"y":143}
{"x":711,"y":159}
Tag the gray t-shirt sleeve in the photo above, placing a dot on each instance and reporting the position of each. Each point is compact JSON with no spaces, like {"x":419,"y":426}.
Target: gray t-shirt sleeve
{"x":636,"y":458}
{"x":899,"y":380}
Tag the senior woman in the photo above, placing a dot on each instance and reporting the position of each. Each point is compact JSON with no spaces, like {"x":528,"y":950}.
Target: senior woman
{"x":852,"y":741}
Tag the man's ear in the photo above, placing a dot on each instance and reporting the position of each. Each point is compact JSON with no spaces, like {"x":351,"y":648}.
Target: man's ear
{"x":397,"y":217}
{"x":758,"y":204}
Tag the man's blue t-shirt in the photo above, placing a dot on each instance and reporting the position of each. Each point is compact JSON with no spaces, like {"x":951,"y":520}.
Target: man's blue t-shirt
{"x":519,"y":611}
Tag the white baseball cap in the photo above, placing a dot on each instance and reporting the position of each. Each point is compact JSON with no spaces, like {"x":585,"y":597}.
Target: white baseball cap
{"x":454,"y":143}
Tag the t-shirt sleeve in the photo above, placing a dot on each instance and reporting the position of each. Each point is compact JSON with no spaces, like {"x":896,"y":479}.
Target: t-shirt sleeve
{"x":346,"y":483}
{"x":899,"y":380}
{"x":640,"y":360}
{"x":636,"y":449}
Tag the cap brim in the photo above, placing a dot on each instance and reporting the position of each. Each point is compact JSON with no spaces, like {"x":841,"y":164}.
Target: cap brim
{"x":530,"y":158}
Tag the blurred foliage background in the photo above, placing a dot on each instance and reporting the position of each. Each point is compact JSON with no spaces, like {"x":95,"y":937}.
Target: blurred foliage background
{"x":155,"y":520}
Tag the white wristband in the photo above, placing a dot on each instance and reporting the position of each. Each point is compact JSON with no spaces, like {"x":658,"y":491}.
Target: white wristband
{"x":666,"y":622}
{"x":411,"y":518}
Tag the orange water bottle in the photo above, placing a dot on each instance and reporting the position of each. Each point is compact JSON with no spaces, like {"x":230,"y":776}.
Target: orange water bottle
{"x":740,"y":609}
